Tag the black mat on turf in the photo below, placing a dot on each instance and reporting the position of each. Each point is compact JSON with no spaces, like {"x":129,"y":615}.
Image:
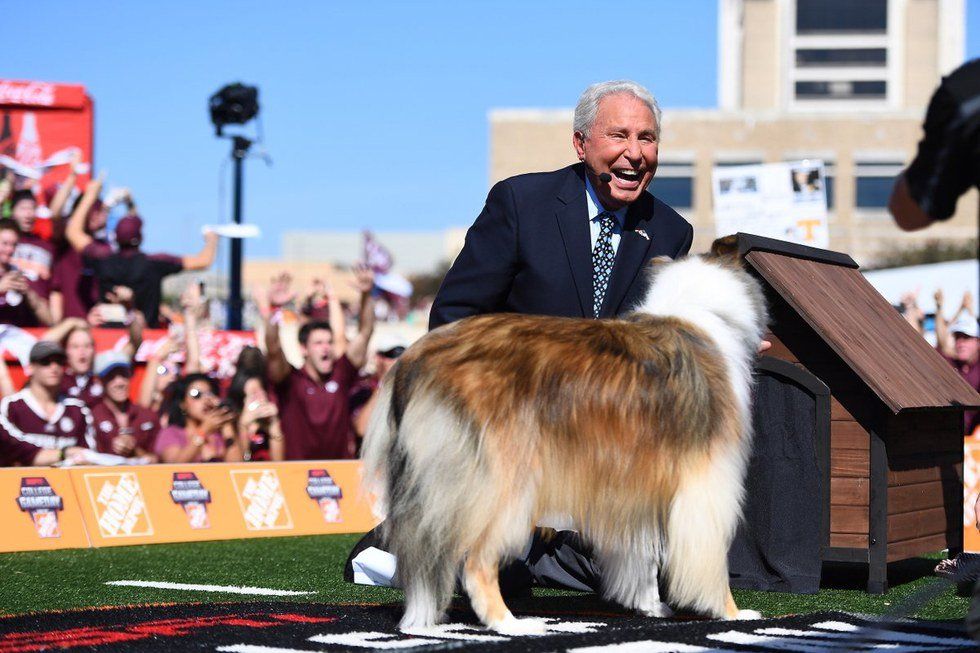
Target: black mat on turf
{"x":283,"y":627}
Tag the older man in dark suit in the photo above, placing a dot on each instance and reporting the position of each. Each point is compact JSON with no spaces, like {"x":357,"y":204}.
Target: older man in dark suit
{"x":567,"y":243}
{"x":572,"y":242}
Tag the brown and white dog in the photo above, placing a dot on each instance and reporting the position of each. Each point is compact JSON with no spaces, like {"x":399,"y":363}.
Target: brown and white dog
{"x":637,"y":428}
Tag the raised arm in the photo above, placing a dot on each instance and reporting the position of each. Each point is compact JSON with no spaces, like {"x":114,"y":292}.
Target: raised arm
{"x":944,"y":339}
{"x":6,"y":383}
{"x":358,"y":347}
{"x":75,"y":230}
{"x":277,"y":367}
{"x":57,"y":205}
{"x":203,"y":259}
{"x":190,"y":302}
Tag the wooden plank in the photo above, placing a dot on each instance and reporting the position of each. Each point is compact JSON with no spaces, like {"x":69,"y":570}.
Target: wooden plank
{"x":849,"y":491}
{"x":916,"y":547}
{"x":912,"y":525}
{"x":889,"y":356}
{"x":921,"y":469}
{"x":848,"y":435}
{"x":779,"y":350}
{"x":849,"y":540}
{"x":838,"y":412}
{"x":849,"y":519}
{"x":920,"y":496}
{"x":849,"y":463}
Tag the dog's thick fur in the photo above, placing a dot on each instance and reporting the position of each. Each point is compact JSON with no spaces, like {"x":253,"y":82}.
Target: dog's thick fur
{"x":638,"y":428}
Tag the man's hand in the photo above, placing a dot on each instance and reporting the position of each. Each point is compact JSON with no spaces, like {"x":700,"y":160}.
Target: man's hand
{"x":938,"y":297}
{"x":121,"y":295}
{"x":765,"y":345}
{"x":13,"y":280}
{"x":280,"y":290}
{"x":967,"y":304}
{"x":363,"y":278}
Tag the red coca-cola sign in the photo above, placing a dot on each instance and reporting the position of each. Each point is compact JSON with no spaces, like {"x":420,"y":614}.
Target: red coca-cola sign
{"x":41,"y":94}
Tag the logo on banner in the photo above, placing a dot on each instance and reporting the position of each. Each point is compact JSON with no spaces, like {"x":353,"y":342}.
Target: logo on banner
{"x":35,"y":93}
{"x":117,"y":500}
{"x":188,"y":493}
{"x":321,"y":488}
{"x":39,"y":500}
{"x":261,"y":499}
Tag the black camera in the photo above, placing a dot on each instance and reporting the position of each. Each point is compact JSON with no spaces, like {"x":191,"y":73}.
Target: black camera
{"x":235,"y":104}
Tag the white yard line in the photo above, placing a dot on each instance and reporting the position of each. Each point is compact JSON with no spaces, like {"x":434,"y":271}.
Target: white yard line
{"x":194,"y":587}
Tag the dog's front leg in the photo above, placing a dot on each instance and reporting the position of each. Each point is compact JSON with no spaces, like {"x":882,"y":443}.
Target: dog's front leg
{"x":649,"y":602}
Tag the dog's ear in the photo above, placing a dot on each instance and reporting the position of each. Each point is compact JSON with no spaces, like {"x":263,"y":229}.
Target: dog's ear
{"x":726,"y":246}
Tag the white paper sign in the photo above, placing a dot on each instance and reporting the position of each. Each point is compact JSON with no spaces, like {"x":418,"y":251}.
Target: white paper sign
{"x":787,"y":201}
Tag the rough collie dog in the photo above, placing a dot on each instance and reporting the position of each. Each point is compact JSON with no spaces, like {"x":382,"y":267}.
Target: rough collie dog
{"x":637,"y":428}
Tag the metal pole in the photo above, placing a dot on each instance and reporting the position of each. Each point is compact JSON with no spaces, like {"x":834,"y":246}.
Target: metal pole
{"x":239,"y":150}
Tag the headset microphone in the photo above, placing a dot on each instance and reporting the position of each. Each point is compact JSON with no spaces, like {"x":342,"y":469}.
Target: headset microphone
{"x":605,"y":177}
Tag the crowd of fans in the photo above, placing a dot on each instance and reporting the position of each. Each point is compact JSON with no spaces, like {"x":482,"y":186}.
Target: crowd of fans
{"x":78,"y":406}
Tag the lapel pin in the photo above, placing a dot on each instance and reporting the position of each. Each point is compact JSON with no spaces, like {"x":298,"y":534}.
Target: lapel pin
{"x":642,"y":233}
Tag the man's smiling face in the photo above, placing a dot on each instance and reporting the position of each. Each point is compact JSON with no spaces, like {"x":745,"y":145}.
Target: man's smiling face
{"x":622,"y":142}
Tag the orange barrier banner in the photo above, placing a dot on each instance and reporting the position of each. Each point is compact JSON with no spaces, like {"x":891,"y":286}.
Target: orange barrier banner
{"x":971,"y":489}
{"x":117,"y":506}
{"x":39,"y":511}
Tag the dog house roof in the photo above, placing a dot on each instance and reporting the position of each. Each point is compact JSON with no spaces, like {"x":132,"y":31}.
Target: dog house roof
{"x":829,"y":293}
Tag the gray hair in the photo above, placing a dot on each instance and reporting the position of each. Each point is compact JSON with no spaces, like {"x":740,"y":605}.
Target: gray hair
{"x":588,"y":104}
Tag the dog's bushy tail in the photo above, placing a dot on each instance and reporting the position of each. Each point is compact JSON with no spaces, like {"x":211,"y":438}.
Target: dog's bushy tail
{"x":429,"y":479}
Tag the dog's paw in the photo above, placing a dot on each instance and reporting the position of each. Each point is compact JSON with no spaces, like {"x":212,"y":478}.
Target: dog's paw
{"x":657,"y":609}
{"x":748,"y":615}
{"x":511,"y":625}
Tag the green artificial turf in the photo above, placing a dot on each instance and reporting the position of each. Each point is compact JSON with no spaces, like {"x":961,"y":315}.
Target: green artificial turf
{"x":58,"y":580}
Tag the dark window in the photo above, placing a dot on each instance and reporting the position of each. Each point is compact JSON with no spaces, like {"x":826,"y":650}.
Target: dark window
{"x":731,"y":164}
{"x":828,"y":183}
{"x":873,"y":191}
{"x":864,"y":90}
{"x":822,"y":57}
{"x":836,"y":16}
{"x":677,"y":192}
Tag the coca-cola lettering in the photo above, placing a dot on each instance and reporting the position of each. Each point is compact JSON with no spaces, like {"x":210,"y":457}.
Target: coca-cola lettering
{"x":29,"y":93}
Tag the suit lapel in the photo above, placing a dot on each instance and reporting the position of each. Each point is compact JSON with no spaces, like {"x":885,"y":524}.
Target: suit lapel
{"x":573,"y":222}
{"x":633,"y":252}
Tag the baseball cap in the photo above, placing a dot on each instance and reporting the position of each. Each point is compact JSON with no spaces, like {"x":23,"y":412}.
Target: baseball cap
{"x":108,"y":361}
{"x":965,"y":325}
{"x":45,"y":349}
{"x":129,"y":230}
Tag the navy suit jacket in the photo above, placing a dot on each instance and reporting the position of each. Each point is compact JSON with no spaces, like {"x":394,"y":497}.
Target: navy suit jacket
{"x":530,"y":252}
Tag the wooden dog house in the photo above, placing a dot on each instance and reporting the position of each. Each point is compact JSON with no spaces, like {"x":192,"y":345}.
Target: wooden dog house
{"x":893,"y":486}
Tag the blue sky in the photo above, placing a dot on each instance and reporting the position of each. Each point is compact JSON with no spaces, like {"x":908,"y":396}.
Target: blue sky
{"x":375,"y":113}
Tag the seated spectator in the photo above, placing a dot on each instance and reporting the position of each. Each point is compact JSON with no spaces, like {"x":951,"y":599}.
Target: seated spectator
{"x":34,"y":256}
{"x":313,"y":400}
{"x":122,"y":427}
{"x":130,"y":266}
{"x":37,"y":414}
{"x":20,"y":304}
{"x":257,"y":418}
{"x":365,"y":393}
{"x":199,"y":430}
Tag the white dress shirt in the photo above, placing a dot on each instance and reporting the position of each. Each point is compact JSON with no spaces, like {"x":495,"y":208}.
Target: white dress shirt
{"x":594,"y":208}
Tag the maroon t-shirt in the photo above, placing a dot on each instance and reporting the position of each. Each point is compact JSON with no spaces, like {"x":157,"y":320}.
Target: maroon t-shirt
{"x":16,"y":452}
{"x":34,"y":257}
{"x":971,"y":374}
{"x":143,"y":423}
{"x":86,"y":387}
{"x":76,"y":281}
{"x":315,"y":417}
{"x":21,"y":417}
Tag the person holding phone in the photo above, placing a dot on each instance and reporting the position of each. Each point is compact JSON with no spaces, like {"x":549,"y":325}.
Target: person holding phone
{"x":20,"y":304}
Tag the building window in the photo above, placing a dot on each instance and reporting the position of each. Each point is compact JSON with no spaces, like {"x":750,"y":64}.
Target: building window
{"x":841,"y":16}
{"x":838,"y":53}
{"x":873,"y":183}
{"x":828,"y":184}
{"x":674,"y":185}
{"x":831,"y":57}
{"x":841,"y":90}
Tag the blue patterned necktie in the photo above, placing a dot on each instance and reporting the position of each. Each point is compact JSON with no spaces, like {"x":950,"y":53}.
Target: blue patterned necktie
{"x":602,"y":260}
